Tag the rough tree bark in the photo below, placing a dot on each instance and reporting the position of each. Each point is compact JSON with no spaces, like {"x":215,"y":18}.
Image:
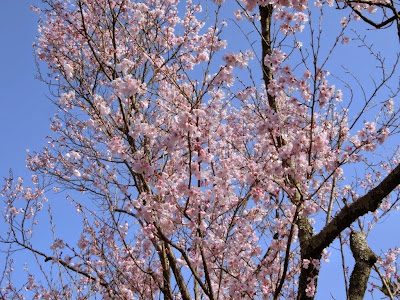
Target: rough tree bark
{"x":365,"y":259}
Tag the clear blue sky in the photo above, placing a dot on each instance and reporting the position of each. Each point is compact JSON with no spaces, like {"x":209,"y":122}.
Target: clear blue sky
{"x":24,"y":110}
{"x":25,"y":113}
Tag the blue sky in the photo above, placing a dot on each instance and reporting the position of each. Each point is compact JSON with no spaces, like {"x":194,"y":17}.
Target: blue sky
{"x":24,"y":110}
{"x":25,"y":113}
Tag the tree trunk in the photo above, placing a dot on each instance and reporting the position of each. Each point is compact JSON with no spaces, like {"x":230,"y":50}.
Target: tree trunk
{"x":365,"y":259}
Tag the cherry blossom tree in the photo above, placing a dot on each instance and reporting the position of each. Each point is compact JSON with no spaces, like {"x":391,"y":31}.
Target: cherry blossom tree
{"x":207,"y":152}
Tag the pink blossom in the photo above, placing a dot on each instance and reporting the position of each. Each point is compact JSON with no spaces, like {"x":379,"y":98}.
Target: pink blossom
{"x":203,"y":56}
{"x":83,"y":243}
{"x":390,"y":106}
{"x":306,"y":263}
{"x":238,"y":15}
{"x":77,"y":173}
{"x":177,"y":148}
{"x":14,"y":211}
{"x":310,"y":290}
{"x":101,"y":105}
{"x":58,"y":244}
{"x":345,"y":40}
{"x":69,"y":71}
{"x":128,"y":86}
{"x":344,"y":21}
{"x":116,"y":145}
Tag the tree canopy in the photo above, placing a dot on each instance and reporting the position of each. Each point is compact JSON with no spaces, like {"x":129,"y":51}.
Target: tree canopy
{"x":211,"y":150}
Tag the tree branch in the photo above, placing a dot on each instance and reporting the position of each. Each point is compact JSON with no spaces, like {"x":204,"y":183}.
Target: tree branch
{"x":313,"y":245}
{"x":367,"y":203}
{"x":365,"y":259}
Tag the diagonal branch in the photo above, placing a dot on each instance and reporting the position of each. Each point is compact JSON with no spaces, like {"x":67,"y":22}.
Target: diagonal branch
{"x":370,"y":22}
{"x":313,"y":245}
{"x":367,"y":203}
